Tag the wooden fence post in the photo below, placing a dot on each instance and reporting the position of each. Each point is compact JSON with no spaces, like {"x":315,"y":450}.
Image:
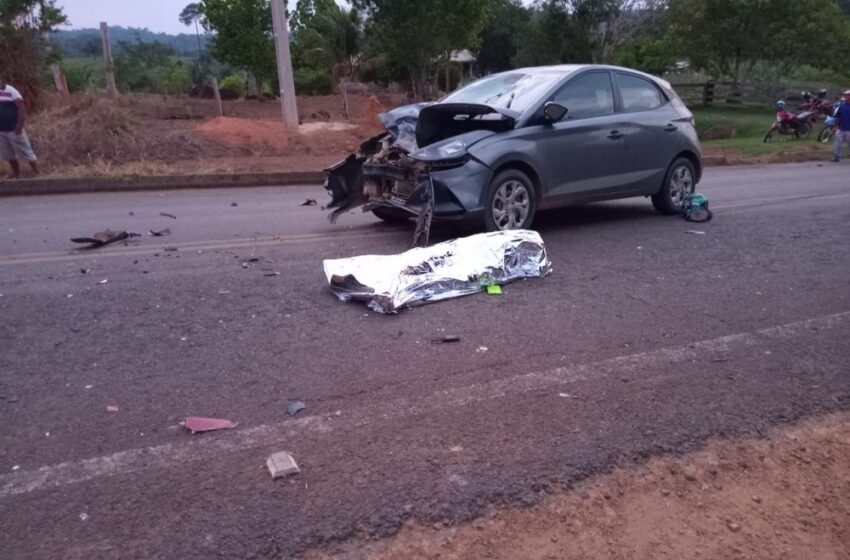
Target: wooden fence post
{"x":708,"y":94}
{"x":217,"y":96}
{"x":59,"y":79}
{"x":107,"y":59}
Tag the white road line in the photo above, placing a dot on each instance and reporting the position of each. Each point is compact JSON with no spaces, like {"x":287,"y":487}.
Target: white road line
{"x":206,"y":448}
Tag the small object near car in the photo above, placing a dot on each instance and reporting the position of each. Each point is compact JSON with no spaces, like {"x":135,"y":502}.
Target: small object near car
{"x":500,"y":149}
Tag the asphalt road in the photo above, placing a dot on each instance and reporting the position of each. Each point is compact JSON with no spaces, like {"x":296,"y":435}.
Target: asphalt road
{"x":645,"y":339}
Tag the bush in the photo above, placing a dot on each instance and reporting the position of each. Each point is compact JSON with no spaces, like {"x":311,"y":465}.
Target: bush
{"x":234,"y":84}
{"x":312,"y":81}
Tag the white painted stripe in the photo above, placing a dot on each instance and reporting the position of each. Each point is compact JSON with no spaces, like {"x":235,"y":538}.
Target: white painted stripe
{"x":207,"y":448}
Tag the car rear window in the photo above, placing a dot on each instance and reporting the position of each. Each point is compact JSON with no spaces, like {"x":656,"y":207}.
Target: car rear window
{"x":639,"y":94}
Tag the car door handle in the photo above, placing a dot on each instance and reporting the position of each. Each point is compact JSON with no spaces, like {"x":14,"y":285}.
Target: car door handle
{"x":671,"y":127}
{"x":615,"y":134}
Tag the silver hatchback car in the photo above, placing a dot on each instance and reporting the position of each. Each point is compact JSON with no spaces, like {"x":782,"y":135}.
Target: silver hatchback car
{"x":499,"y":149}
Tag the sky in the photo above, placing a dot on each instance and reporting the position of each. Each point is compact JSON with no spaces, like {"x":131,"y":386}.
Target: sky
{"x":156,"y":15}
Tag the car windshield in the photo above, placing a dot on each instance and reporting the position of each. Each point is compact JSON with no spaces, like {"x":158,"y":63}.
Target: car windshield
{"x":512,"y":90}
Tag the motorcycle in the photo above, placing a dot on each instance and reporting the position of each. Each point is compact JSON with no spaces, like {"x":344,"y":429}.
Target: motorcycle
{"x":827,"y":133}
{"x":800,"y":125}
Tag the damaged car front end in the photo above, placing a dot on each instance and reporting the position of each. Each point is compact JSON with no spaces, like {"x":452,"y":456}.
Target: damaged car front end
{"x":420,"y":167}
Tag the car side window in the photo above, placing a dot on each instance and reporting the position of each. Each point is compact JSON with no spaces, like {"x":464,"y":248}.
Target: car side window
{"x":639,"y":94}
{"x":589,"y":95}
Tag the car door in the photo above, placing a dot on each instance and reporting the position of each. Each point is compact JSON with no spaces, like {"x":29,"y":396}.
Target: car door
{"x":583,"y":150}
{"x":648,"y":122}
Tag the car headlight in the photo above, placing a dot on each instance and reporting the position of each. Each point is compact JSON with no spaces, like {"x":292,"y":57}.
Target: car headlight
{"x":448,"y":151}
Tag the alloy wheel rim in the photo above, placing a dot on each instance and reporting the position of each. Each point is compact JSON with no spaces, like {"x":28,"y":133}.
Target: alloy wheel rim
{"x":511,"y":205}
{"x":681,"y":185}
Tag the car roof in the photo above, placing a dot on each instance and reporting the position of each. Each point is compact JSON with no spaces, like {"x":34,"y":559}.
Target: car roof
{"x":570,"y":68}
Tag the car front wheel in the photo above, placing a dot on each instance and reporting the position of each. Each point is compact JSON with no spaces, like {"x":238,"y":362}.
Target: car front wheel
{"x":511,"y":202}
{"x":679,"y":182}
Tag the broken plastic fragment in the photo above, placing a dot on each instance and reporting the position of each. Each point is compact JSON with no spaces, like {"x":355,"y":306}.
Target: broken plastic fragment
{"x":101,"y":238}
{"x":167,"y":215}
{"x":282,"y":464}
{"x":295,"y":407}
{"x":104,"y":281}
{"x":159,"y":233}
{"x":199,"y":424}
{"x":309,"y":202}
{"x":445,"y":339}
{"x":111,"y":408}
{"x":494,"y":290}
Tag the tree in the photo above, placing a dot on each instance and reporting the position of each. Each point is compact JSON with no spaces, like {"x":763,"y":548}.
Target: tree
{"x":192,"y":14}
{"x":727,"y":37}
{"x":416,"y":36}
{"x":325,"y":44}
{"x":150,"y":67}
{"x":501,"y":35}
{"x":243,"y":36}
{"x":23,"y":49}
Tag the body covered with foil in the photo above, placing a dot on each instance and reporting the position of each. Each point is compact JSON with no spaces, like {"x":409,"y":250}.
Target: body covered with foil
{"x":446,"y":270}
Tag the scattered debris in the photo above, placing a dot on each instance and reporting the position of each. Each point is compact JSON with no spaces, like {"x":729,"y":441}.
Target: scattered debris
{"x":695,"y":208}
{"x":223,"y":292}
{"x":160,"y":233}
{"x":309,"y":202}
{"x":282,"y":464}
{"x":494,"y":290}
{"x":101,"y":238}
{"x":197,"y":424}
{"x":84,"y":516}
{"x":565,"y":395}
{"x":445,"y":339}
{"x":167,"y":215}
{"x":112,"y":408}
{"x":89,"y":386}
{"x":131,"y":213}
{"x":15,"y":467}
{"x":85,"y":270}
{"x":170,"y":249}
{"x":272,"y":274}
{"x":295,"y":407}
{"x":481,"y":349}
{"x":104,"y":281}
{"x":695,"y":232}
{"x":447,"y":270}
{"x":233,"y":205}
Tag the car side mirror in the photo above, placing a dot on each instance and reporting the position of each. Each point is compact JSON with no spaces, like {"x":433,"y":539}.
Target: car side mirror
{"x":554,"y":112}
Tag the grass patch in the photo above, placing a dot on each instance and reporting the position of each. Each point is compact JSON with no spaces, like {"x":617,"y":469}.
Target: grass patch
{"x":747,"y":121}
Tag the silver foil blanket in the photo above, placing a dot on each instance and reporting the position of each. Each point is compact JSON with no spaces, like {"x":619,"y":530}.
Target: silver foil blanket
{"x":447,"y":270}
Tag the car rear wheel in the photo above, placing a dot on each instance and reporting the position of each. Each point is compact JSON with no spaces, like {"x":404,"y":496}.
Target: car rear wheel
{"x":511,"y":202}
{"x":679,"y":182}
{"x":391,"y":215}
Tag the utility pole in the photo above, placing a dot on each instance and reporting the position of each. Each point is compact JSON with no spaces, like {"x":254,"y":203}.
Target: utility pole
{"x":107,"y":59}
{"x":284,"y":66}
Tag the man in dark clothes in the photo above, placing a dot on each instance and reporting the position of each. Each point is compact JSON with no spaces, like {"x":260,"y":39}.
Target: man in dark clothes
{"x":842,"y":118}
{"x":13,"y":137}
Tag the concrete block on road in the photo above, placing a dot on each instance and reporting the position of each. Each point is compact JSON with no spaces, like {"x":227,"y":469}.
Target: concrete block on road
{"x":281,"y":464}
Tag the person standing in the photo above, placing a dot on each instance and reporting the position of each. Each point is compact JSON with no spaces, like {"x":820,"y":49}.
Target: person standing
{"x":13,"y":114}
{"x":842,"y":123}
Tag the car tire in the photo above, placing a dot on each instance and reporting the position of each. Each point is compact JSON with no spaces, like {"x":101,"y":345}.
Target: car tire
{"x":511,"y":201}
{"x":392,"y":215}
{"x":679,"y":181}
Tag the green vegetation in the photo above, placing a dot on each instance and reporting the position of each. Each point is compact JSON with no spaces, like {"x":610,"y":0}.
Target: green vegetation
{"x":749,"y":125}
{"x":234,"y":83}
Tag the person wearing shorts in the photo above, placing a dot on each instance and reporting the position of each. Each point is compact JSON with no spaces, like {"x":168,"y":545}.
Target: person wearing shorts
{"x":13,"y":137}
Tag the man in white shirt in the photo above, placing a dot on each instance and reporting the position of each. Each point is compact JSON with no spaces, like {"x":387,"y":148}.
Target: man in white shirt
{"x":13,"y":137}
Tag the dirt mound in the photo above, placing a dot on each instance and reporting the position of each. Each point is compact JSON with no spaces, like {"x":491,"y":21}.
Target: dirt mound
{"x":240,"y":132}
{"x":369,"y":112}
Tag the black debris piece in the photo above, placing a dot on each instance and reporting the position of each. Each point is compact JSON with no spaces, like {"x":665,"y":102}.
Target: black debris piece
{"x":294,"y":407}
{"x":251,"y":259}
{"x":233,"y":205}
{"x":309,"y":202}
{"x":170,"y":249}
{"x":445,"y":339}
{"x":85,"y":270}
{"x":101,"y":238}
{"x":160,"y":233}
{"x":272,"y":274}
{"x":132,"y":214}
{"x":167,"y":215}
